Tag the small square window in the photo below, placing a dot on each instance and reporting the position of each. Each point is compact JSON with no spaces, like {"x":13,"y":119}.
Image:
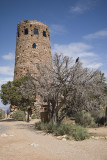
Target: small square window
{"x":34,"y":45}
{"x":26,"y":31}
{"x":35,"y":31}
{"x":44,"y":33}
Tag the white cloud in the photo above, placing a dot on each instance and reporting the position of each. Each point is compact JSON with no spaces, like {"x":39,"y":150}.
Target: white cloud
{"x":99,"y":34}
{"x":77,"y":9}
{"x":57,"y":29}
{"x":81,"y":50}
{"x":9,"y":56}
{"x":82,"y":6}
{"x":7,"y":70}
{"x":5,"y":80}
{"x":74,"y":50}
{"x":95,"y":65}
{"x":91,"y":63}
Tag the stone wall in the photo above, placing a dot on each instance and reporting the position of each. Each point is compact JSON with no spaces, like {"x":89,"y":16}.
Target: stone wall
{"x":32,"y":49}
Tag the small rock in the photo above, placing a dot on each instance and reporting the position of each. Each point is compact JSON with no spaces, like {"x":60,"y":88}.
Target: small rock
{"x":96,"y":138}
{"x":4,"y":135}
{"x":64,"y":136}
{"x":105,"y":137}
{"x":102,"y":137}
{"x":34,"y":145}
{"x":11,"y":135}
{"x":59,"y":137}
{"x":63,"y":139}
{"x":92,"y":137}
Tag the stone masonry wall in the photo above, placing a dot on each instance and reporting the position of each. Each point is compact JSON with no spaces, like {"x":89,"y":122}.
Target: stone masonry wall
{"x":27,"y":57}
{"x":32,"y":50}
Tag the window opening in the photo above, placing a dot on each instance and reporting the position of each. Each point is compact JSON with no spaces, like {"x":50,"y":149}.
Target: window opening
{"x":35,"y":31}
{"x":26,"y":31}
{"x":44,"y":33}
{"x":18,"y":34}
{"x":34,"y":45}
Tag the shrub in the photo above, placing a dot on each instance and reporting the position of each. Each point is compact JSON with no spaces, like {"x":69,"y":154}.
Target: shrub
{"x":99,"y":116}
{"x":35,"y":116}
{"x":2,"y":114}
{"x":84,"y":119}
{"x":76,"y":131}
{"x":62,"y":129}
{"x":79,"y":133}
{"x":47,"y":127}
{"x":18,"y":115}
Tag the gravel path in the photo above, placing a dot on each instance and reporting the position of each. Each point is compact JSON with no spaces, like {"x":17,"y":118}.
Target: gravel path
{"x":3,"y":128}
{"x":21,"y":142}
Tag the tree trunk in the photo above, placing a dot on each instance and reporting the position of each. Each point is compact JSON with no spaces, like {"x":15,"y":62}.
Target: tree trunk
{"x":106,"y":116}
{"x":27,"y":116}
{"x":54,"y":118}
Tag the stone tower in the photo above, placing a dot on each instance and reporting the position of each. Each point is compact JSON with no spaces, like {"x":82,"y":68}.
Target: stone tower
{"x":32,"y":48}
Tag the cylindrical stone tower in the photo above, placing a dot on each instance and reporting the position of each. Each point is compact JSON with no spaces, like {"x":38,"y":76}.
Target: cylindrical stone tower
{"x":32,"y":48}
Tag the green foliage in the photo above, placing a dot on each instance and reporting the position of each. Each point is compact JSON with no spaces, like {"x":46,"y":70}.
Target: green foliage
{"x":76,"y":131}
{"x":18,"y":115}
{"x":84,"y":119}
{"x":10,"y":94}
{"x":36,"y":116}
{"x":2,"y":114}
{"x":62,"y":129}
{"x":79,"y":133}
{"x":99,"y":116}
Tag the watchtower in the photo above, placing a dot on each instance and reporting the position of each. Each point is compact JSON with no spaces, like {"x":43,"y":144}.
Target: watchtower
{"x":32,"y":48}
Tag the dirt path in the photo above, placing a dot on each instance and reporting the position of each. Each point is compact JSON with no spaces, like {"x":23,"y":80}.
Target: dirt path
{"x":18,"y":141}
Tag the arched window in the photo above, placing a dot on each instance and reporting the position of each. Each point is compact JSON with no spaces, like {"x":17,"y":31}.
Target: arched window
{"x":34,"y":45}
{"x":35,"y":31}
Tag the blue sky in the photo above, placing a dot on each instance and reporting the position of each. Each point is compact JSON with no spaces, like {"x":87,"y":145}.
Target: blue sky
{"x":77,"y":28}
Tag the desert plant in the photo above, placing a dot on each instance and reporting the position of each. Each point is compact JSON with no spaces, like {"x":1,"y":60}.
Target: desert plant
{"x":76,"y":131}
{"x":18,"y":115}
{"x":36,"y":115}
{"x":2,"y":114}
{"x":99,"y":116}
{"x":84,"y":119}
{"x":79,"y":133}
{"x":33,"y":116}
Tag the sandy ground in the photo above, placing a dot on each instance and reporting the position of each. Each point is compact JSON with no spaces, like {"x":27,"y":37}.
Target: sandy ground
{"x":19,"y":141}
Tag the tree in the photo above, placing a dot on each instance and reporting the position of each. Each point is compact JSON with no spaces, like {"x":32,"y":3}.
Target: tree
{"x":19,"y":93}
{"x":69,"y":87}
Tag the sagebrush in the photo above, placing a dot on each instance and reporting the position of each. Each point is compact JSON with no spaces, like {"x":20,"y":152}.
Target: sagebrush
{"x":2,"y":114}
{"x":85,"y":119}
{"x":75,"y":131}
{"x":19,"y":115}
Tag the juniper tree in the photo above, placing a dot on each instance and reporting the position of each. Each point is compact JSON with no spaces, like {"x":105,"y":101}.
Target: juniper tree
{"x":20,"y":93}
